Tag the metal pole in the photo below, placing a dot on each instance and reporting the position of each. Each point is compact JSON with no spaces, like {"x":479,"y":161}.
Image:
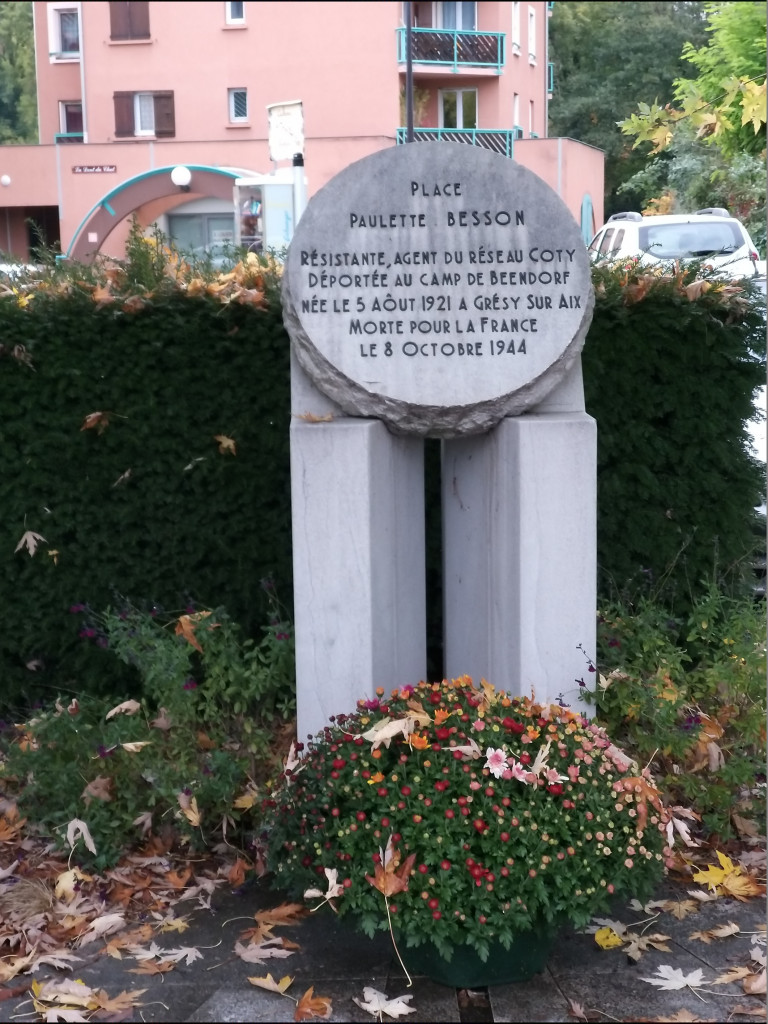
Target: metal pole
{"x":408,"y":73}
{"x":299,"y":191}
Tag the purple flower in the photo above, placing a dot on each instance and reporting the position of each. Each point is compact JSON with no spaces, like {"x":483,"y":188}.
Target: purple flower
{"x":282,"y":636}
{"x":76,"y":608}
{"x":103,"y":751}
{"x":190,"y":684}
{"x":372,"y":705}
{"x":87,"y":633}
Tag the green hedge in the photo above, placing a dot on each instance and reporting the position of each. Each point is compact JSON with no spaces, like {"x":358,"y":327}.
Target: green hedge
{"x":670,"y":376}
{"x":148,"y":506}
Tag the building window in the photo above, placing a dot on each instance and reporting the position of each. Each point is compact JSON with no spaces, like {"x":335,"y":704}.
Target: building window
{"x":531,"y":118}
{"x":70,"y":121}
{"x":458,"y":108}
{"x":63,"y":32}
{"x":516,"y":126}
{"x":461,"y":17}
{"x":128,"y":20}
{"x":235,"y":12}
{"x":531,"y":36}
{"x":144,"y":113}
{"x":238,"y":104}
{"x":515,"y":28}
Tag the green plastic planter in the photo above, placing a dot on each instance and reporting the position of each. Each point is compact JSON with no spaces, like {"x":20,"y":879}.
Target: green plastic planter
{"x":526,"y":957}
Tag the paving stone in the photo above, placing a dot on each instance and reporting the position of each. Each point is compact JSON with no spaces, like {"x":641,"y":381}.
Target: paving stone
{"x":536,"y":1000}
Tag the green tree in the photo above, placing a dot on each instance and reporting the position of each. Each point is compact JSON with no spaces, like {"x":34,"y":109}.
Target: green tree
{"x":18,"y":107}
{"x":605,"y":56}
{"x":726,"y":102}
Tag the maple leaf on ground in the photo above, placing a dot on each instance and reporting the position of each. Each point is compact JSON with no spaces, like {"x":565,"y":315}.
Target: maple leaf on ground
{"x":716,"y":933}
{"x":60,"y":959}
{"x":376,"y":1003}
{"x":639,"y":944}
{"x":16,"y":965}
{"x":311,"y":1005}
{"x":671,"y":979}
{"x":104,"y":925}
{"x":189,"y":809}
{"x":271,"y":985}
{"x":73,"y":993}
{"x":144,"y":821}
{"x":67,"y":881}
{"x":63,"y":1013}
{"x":284,"y":914}
{"x":148,"y":967}
{"x":30,"y":540}
{"x":236,"y":874}
{"x":749,"y":1011}
{"x":680,"y":909}
{"x":734,"y":974}
{"x":577,"y":1011}
{"x":120,"y":1005}
{"x":257,"y":954}
{"x":174,"y":924}
{"x":754,"y":984}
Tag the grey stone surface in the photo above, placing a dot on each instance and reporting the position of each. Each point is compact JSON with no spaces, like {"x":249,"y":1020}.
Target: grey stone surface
{"x":437,"y":287}
{"x":339,"y":963}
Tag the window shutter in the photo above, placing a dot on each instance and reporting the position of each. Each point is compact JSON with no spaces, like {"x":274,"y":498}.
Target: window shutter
{"x":138,"y":16}
{"x":123,"y":114}
{"x":129,"y":20}
{"x":165,"y":118}
{"x":119,"y":23}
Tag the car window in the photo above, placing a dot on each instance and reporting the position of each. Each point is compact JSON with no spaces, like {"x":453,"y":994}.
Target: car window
{"x":594,"y":245}
{"x":606,"y":240}
{"x":671,"y":241}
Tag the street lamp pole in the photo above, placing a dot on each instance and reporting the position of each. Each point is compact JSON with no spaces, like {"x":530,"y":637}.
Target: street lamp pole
{"x":408,"y":73}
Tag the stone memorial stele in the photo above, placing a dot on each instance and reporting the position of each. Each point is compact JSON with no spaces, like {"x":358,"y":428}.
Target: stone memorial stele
{"x":439,"y":290}
{"x":437,"y":287}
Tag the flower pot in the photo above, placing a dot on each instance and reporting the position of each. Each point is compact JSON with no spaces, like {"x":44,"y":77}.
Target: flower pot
{"x":527,"y":956}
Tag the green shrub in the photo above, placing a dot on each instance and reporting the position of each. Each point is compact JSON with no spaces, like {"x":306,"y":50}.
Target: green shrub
{"x":178,"y":758}
{"x":688,"y":696}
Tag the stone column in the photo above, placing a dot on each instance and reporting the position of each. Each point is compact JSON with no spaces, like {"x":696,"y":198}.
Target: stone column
{"x":519,"y":549}
{"x":358,"y":557}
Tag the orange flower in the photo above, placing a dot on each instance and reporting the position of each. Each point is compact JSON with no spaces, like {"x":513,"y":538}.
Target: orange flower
{"x":440,"y":716}
{"x":378,"y":777}
{"x":376,"y":753}
{"x":418,"y":741}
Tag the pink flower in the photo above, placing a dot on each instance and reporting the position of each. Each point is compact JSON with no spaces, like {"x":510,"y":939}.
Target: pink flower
{"x":519,"y":773}
{"x":479,"y":725}
{"x":573,"y":772}
{"x":496,"y":762}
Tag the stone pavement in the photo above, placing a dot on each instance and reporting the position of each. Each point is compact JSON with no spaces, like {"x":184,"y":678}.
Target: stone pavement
{"x":339,"y":963}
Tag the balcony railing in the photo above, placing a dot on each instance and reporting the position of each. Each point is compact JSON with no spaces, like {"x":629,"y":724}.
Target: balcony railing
{"x":68,"y":137}
{"x":550,"y":78}
{"x":453,"y":48}
{"x":496,"y":139}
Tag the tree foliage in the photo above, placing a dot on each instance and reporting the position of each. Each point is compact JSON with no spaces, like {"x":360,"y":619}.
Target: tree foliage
{"x":608,"y":54}
{"x":726,"y":101}
{"x":18,"y":108}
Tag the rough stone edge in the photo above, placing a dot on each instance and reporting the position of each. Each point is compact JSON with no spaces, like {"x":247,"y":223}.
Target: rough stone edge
{"x":408,"y":418}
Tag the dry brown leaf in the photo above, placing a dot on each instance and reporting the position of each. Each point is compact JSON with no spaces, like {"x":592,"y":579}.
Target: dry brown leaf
{"x":745,"y":826}
{"x":741,"y":887}
{"x":577,"y":1011}
{"x":311,"y":1005}
{"x":309,"y":417}
{"x":153,"y":967}
{"x":749,"y":1011}
{"x":162,"y":722}
{"x":284,"y":914}
{"x":186,"y":625}
{"x":754,"y":984}
{"x":97,"y":789}
{"x":252,"y":954}
{"x":226,"y":444}
{"x":98,"y":420}
{"x":734,"y":974}
{"x":271,"y":985}
{"x":120,"y":1004}
{"x":128,"y":707}
{"x":680,"y":909}
{"x":236,"y":874}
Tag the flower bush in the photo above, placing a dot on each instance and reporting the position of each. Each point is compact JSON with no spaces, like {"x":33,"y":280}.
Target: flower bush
{"x":479,"y":814}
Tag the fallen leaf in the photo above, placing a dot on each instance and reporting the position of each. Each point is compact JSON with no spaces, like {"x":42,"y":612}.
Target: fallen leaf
{"x":680,"y":909}
{"x":150,"y":967}
{"x":741,"y":887}
{"x":284,"y":914}
{"x":606,"y":938}
{"x":162,"y":722}
{"x":734,"y":974}
{"x":97,"y":789}
{"x":189,"y":809}
{"x":226,"y":444}
{"x":388,"y":878}
{"x":310,"y":417}
{"x":121,"y":1004}
{"x":749,"y":1011}
{"x":639,"y":944}
{"x":77,"y":829}
{"x":66,"y":882}
{"x":271,"y":985}
{"x":99,"y":420}
{"x":577,"y":1011}
{"x":754,"y":984}
{"x":385,"y":730}
{"x":128,"y":707}
{"x":672,"y":978}
{"x":253,"y":954}
{"x":745,"y":826}
{"x":30,"y":540}
{"x":376,"y":1003}
{"x":144,"y":821}
{"x":311,"y":1005}
{"x":104,"y":925}
{"x":186,"y":625}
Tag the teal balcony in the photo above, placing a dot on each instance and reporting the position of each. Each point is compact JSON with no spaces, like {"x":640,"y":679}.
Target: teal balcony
{"x":498,"y":140}
{"x":454,"y":48}
{"x":550,"y":78}
{"x":68,"y":137}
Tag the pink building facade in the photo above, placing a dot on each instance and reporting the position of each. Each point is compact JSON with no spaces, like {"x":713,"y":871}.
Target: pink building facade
{"x":127,"y":91}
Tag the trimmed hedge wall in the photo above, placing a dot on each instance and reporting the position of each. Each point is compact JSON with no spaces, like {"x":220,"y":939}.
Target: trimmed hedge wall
{"x":146,"y":504}
{"x":143,"y":502}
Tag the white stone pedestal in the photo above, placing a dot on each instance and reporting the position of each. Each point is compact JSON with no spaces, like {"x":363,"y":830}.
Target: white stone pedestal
{"x":519,"y":549}
{"x":358,"y":558}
